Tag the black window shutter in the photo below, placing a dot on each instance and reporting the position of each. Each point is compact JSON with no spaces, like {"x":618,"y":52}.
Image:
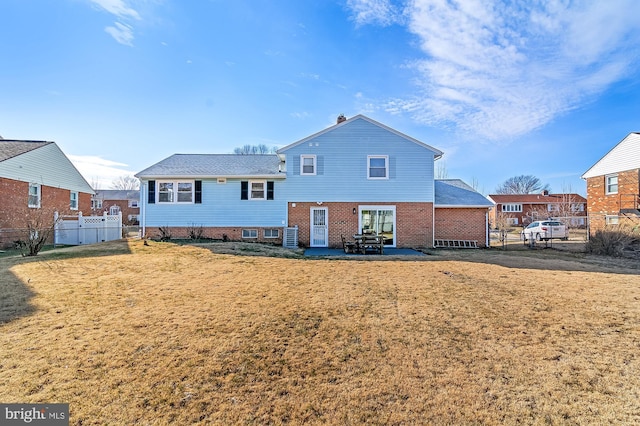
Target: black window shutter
{"x":198,"y":194}
{"x":244,"y":190}
{"x":270,"y":190}
{"x":152,"y":192}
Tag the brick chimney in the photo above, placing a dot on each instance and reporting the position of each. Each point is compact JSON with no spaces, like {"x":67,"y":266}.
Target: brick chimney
{"x":341,"y":118}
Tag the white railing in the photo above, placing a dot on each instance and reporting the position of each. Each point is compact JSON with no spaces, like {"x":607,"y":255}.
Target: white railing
{"x":79,"y":230}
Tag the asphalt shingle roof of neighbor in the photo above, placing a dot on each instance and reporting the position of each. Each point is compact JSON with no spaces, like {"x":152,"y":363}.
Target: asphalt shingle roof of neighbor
{"x":214,"y":165}
{"x":454,"y":192}
{"x":12,"y":148}
{"x":117,"y":194}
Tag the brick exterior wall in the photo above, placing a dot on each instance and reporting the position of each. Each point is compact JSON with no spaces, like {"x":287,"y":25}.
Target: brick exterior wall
{"x":600,"y":204}
{"x":462,"y":224}
{"x":14,"y":209}
{"x":216,"y":233}
{"x":529,"y":211}
{"x":414,"y":222}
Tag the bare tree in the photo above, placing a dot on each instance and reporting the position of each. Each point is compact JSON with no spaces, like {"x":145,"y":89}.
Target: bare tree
{"x":126,"y":183}
{"x":441,"y":170}
{"x":523,"y":184}
{"x":38,"y":226}
{"x":255,"y":150}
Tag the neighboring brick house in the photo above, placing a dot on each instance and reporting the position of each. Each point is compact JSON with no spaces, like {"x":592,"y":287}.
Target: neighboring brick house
{"x":114,"y":201}
{"x":613,"y":185}
{"x":522,"y":209}
{"x":357,"y":175}
{"x":36,"y":180}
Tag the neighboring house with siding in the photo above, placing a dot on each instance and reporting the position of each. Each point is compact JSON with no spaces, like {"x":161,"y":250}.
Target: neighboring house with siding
{"x":522,"y":209}
{"x":354,"y":176}
{"x":613,"y":185}
{"x":36,"y":179}
{"x":114,"y":201}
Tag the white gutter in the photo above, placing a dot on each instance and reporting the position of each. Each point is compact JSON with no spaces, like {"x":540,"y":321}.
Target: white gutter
{"x":486,"y":229}
{"x":143,"y":209}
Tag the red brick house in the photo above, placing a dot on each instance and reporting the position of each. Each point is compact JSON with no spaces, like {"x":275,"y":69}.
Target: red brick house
{"x":522,"y":209}
{"x":36,"y":180}
{"x":114,"y":201}
{"x":613,"y":185}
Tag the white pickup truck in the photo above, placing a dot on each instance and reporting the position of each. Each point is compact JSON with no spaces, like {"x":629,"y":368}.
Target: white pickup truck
{"x":543,"y":230}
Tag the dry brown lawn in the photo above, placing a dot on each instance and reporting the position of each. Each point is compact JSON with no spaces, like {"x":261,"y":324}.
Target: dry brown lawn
{"x":160,"y":334}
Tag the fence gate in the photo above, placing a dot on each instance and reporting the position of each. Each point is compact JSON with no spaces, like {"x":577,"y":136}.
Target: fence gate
{"x":79,"y":230}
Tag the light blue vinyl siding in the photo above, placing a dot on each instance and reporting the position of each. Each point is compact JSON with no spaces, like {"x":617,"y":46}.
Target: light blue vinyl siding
{"x":343,"y":152}
{"x":221,"y":206}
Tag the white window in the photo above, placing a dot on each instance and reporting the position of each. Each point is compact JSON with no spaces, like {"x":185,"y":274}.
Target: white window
{"x":577,"y":207}
{"x":73,"y":200}
{"x":612,"y":184}
{"x":96,"y":203}
{"x":553,"y":207}
{"x":175,"y":192}
{"x":114,"y":210}
{"x":612,"y":220}
{"x":307,"y":164}
{"x":133,"y":203}
{"x":249,"y":233}
{"x":34,"y":195}
{"x":271,"y":233}
{"x":513,"y":208}
{"x":378,"y":167}
{"x":258,"y":190}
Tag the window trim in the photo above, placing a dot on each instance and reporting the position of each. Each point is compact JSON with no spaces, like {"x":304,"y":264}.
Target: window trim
{"x":612,"y":220}
{"x":71,"y":200}
{"x":134,"y":204}
{"x":115,"y":208}
{"x":264,"y":190}
{"x":39,"y":195}
{"x":608,"y":185}
{"x":271,"y":230}
{"x":250,"y":232}
{"x":386,"y":167}
{"x":175,"y":192}
{"x":517,"y":207}
{"x":314,"y":165}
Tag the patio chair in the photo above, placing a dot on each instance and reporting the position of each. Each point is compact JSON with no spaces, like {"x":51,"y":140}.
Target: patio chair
{"x":348,"y":246}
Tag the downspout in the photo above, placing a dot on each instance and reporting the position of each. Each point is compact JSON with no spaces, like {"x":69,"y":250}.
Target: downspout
{"x":486,"y":228}
{"x":433,"y":225}
{"x":143,"y":210}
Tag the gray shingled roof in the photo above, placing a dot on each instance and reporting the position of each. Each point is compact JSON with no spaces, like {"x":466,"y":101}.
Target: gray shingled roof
{"x":214,"y":165}
{"x":116,"y":194}
{"x":454,"y":192}
{"x":12,"y":148}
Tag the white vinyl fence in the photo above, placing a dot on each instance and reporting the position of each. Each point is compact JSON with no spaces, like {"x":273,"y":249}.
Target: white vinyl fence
{"x":79,"y":230}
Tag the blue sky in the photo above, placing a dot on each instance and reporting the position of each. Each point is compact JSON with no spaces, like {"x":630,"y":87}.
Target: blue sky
{"x":504,"y":88}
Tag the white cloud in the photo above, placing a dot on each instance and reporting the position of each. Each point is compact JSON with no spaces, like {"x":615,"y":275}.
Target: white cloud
{"x":117,"y":7}
{"x":98,"y":171}
{"x":122,"y":33}
{"x":381,"y":12}
{"x":499,"y":69}
{"x":300,"y":115}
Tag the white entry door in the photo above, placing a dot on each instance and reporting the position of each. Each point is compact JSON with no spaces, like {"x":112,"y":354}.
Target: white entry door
{"x":319,"y":227}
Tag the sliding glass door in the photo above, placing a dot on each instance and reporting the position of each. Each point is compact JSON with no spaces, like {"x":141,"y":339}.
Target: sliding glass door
{"x":381,"y":220}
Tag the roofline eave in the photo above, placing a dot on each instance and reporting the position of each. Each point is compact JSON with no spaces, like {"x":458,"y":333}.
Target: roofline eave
{"x":148,"y":177}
